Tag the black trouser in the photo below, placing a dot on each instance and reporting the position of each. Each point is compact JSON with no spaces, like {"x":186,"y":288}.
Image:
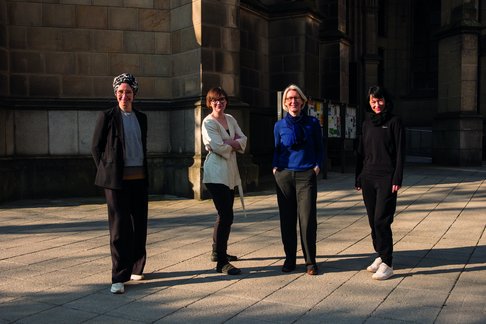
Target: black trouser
{"x":127,"y":220}
{"x":380,"y":205}
{"x":297,"y":195}
{"x":223,"y":199}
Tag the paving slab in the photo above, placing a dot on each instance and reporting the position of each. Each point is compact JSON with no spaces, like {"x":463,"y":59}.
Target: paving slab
{"x":55,"y":262}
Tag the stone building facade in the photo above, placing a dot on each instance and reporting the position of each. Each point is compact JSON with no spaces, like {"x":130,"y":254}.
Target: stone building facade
{"x":58,"y":59}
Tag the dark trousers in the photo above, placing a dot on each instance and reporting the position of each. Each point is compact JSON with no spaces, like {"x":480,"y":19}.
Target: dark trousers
{"x":296,"y":196}
{"x":380,"y":205}
{"x":127,"y":220}
{"x":223,"y":199}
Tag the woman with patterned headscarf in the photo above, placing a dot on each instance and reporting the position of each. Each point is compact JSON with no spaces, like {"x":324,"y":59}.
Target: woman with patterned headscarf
{"x":119,"y":150}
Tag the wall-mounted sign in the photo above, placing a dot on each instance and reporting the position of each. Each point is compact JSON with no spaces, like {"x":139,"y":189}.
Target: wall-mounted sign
{"x":334,"y":120}
{"x":315,"y":108}
{"x":350,"y":123}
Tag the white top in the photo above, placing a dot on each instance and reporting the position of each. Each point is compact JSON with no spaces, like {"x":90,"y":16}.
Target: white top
{"x":220,"y":165}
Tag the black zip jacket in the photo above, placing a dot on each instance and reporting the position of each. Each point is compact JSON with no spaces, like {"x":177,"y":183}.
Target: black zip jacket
{"x":381,"y":150}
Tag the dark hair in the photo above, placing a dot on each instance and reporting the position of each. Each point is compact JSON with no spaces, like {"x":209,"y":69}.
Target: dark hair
{"x":215,"y":93}
{"x":380,"y":92}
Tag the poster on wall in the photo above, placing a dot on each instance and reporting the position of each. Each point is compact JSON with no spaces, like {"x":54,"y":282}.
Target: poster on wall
{"x":350,"y":123}
{"x":334,"y":120}
{"x":315,"y":109}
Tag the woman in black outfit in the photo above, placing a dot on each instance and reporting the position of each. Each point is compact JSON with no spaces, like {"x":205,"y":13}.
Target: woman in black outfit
{"x":379,"y":174}
{"x":119,"y":150}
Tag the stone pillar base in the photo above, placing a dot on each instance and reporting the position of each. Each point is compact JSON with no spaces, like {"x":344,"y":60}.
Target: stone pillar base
{"x":457,"y":139}
{"x":195,"y":174}
{"x":249,"y":173}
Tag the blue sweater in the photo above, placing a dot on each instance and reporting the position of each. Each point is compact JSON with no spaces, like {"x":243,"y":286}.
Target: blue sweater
{"x":300,"y":157}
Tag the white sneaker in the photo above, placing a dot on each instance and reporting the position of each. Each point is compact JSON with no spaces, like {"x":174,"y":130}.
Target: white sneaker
{"x":117,"y":288}
{"x":384,"y":272}
{"x":375,"y":265}
{"x":137,"y":277}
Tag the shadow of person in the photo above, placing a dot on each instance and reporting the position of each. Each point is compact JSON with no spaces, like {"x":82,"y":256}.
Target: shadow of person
{"x":412,"y":262}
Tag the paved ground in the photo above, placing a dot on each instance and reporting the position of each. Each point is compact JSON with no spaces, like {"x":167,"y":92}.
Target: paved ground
{"x":55,"y":264}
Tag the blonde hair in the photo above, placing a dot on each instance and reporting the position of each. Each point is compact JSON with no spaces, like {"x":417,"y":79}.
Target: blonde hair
{"x":299,"y":91}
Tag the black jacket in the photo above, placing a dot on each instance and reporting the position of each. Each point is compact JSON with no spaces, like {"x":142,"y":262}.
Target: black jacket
{"x":381,"y":150}
{"x":108,"y":147}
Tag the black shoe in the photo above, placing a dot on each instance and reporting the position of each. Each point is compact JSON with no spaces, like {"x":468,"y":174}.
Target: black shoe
{"x":288,"y":266}
{"x":229,"y":269}
{"x":312,"y":269}
{"x":214,"y":257}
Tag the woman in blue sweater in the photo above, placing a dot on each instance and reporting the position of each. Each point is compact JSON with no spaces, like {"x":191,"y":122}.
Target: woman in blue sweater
{"x":297,"y":161}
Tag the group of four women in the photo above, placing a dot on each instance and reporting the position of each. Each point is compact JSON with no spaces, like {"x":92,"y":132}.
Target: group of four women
{"x":119,"y":150}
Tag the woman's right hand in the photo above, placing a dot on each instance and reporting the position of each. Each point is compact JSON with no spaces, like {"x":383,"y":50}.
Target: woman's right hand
{"x":233,"y":143}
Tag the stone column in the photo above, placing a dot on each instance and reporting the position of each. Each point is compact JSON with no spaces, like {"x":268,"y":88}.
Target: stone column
{"x":482,"y":72}
{"x":334,"y":73}
{"x":6,"y":113}
{"x":335,"y":51}
{"x":371,"y":59}
{"x":220,"y":66}
{"x":3,"y":50}
{"x":195,"y":172}
{"x":458,"y":127}
{"x":220,"y":55}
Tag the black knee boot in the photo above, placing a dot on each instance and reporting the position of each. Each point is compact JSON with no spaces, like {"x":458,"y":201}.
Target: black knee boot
{"x":214,"y":255}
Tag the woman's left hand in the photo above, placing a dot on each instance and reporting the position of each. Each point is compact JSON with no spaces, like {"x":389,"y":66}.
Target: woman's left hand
{"x":233,"y":143}
{"x":317,"y":170}
{"x":395,"y":188}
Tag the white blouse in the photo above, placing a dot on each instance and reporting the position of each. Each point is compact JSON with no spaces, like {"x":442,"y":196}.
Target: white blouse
{"x":220,"y":165}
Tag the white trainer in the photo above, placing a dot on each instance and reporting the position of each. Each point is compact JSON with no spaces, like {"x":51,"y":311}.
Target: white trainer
{"x":117,"y":288}
{"x":136,"y":277}
{"x":375,"y":265}
{"x":384,"y":272}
